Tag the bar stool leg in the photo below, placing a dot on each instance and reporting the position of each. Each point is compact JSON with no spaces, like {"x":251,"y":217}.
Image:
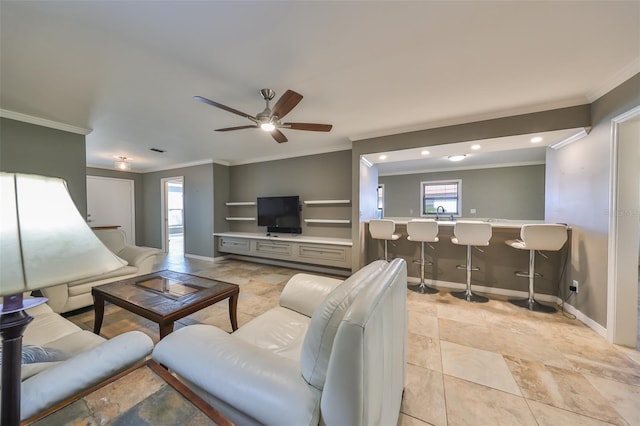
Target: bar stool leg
{"x":422,"y":288}
{"x":468,"y":295}
{"x":530,"y":303}
{"x":385,"y":251}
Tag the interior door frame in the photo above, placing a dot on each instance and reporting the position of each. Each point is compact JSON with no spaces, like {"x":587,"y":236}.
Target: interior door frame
{"x":618,"y":305}
{"x":164,"y":220}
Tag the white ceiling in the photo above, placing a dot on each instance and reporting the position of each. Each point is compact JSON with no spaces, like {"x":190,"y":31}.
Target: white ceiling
{"x":128,"y":70}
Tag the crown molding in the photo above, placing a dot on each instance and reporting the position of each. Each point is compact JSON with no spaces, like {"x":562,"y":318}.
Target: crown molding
{"x":294,"y":155}
{"x":616,"y":80}
{"x":179,"y":166}
{"x":43,"y":122}
{"x":450,"y":169}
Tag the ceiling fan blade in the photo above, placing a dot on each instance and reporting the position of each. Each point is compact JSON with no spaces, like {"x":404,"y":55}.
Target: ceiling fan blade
{"x":278,"y":136}
{"x":314,"y":127}
{"x":286,"y":103}
{"x":224,"y":107}
{"x":227,"y":129}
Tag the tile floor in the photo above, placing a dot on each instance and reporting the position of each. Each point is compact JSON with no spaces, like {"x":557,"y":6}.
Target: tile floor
{"x":468,"y":364}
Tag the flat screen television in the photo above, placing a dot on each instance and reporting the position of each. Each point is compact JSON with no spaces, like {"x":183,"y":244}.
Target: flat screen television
{"x":280,"y":214}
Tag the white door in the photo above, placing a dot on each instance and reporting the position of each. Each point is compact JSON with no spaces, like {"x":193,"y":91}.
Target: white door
{"x":110,"y":202}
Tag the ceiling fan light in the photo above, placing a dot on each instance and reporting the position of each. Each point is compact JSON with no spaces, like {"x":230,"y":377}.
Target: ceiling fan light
{"x":267,"y":127}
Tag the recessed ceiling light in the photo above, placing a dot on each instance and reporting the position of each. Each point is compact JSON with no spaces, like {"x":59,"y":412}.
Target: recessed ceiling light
{"x":425,"y":152}
{"x":476,"y":146}
{"x":383,"y":157}
{"x":536,"y":139}
{"x":456,"y":157}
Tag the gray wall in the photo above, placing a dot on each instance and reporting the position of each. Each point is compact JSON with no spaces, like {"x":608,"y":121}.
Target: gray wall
{"x":29,"y":148}
{"x":220,"y":196}
{"x":138,"y":190}
{"x":198,"y":208}
{"x":505,"y":192}
{"x":368,"y":209}
{"x":578,"y":194}
{"x":314,"y":177}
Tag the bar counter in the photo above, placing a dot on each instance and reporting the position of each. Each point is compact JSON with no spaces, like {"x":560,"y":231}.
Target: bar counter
{"x":498,"y":262}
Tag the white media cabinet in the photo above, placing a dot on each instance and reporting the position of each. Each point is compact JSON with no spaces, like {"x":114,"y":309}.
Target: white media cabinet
{"x":324,"y":251}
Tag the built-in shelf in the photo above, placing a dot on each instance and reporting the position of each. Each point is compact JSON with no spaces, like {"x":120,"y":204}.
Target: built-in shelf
{"x":248,"y":219}
{"x":327,"y":221}
{"x":240,"y":203}
{"x":327,"y":201}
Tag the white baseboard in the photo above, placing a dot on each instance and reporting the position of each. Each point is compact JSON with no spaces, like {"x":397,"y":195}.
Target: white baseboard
{"x":482,"y":289}
{"x":580,"y":316}
{"x":195,"y":256}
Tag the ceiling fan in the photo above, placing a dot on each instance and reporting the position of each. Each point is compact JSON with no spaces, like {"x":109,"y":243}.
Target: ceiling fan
{"x":269,"y":120}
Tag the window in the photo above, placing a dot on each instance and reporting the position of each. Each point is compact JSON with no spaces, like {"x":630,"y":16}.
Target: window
{"x":380,"y":201}
{"x":438,"y":195}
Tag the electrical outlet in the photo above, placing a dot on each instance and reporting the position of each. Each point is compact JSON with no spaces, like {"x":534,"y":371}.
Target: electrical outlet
{"x":575,"y":286}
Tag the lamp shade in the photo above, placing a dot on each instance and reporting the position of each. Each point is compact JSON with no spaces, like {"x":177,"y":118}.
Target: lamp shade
{"x":44,"y":240}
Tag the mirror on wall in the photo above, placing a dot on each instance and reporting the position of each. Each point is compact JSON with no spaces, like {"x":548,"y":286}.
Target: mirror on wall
{"x":499,"y":178}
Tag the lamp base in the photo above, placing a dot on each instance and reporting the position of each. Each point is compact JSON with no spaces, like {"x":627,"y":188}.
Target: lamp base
{"x":12,"y":327}
{"x":13,"y":322}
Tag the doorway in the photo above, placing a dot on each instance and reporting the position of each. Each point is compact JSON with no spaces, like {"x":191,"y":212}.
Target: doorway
{"x":624,"y":231}
{"x":111,"y":203}
{"x":173,"y":216}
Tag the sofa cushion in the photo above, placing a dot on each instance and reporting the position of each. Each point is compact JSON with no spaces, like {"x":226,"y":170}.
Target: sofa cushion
{"x":324,"y":323}
{"x":304,"y":292}
{"x":47,"y":327}
{"x":114,"y":239}
{"x":120,"y":272}
{"x":278,"y":330}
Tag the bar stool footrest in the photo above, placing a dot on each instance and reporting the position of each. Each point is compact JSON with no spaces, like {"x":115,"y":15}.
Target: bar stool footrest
{"x":473,"y":268}
{"x":426,"y":263}
{"x":525,"y":274}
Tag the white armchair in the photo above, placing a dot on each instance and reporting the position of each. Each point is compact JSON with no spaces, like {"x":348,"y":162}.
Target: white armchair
{"x":332,"y":353}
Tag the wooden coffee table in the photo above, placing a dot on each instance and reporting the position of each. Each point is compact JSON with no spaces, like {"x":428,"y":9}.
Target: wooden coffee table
{"x":164,"y":297}
{"x":144,"y":394}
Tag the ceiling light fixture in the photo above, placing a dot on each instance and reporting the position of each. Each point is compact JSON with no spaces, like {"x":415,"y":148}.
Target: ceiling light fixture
{"x":383,"y":157}
{"x":536,"y":139}
{"x":475,"y":147}
{"x":122,"y":163}
{"x":267,"y":127}
{"x":457,"y":157}
{"x":425,"y":152}
{"x":581,"y":134}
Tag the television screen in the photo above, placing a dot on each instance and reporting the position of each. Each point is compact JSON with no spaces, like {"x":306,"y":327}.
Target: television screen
{"x":280,"y":214}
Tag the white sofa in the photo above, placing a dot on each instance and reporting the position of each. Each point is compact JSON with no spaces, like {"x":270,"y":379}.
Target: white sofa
{"x":83,"y":359}
{"x":137,"y":261}
{"x":333,"y":352}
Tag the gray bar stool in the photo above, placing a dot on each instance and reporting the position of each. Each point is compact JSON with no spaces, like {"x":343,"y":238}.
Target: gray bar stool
{"x":470,"y":234}
{"x":422,"y":231}
{"x":549,"y":237}
{"x":383,"y":229}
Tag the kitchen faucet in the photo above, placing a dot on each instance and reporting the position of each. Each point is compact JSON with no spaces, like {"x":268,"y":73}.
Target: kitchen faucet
{"x":438,"y":211}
